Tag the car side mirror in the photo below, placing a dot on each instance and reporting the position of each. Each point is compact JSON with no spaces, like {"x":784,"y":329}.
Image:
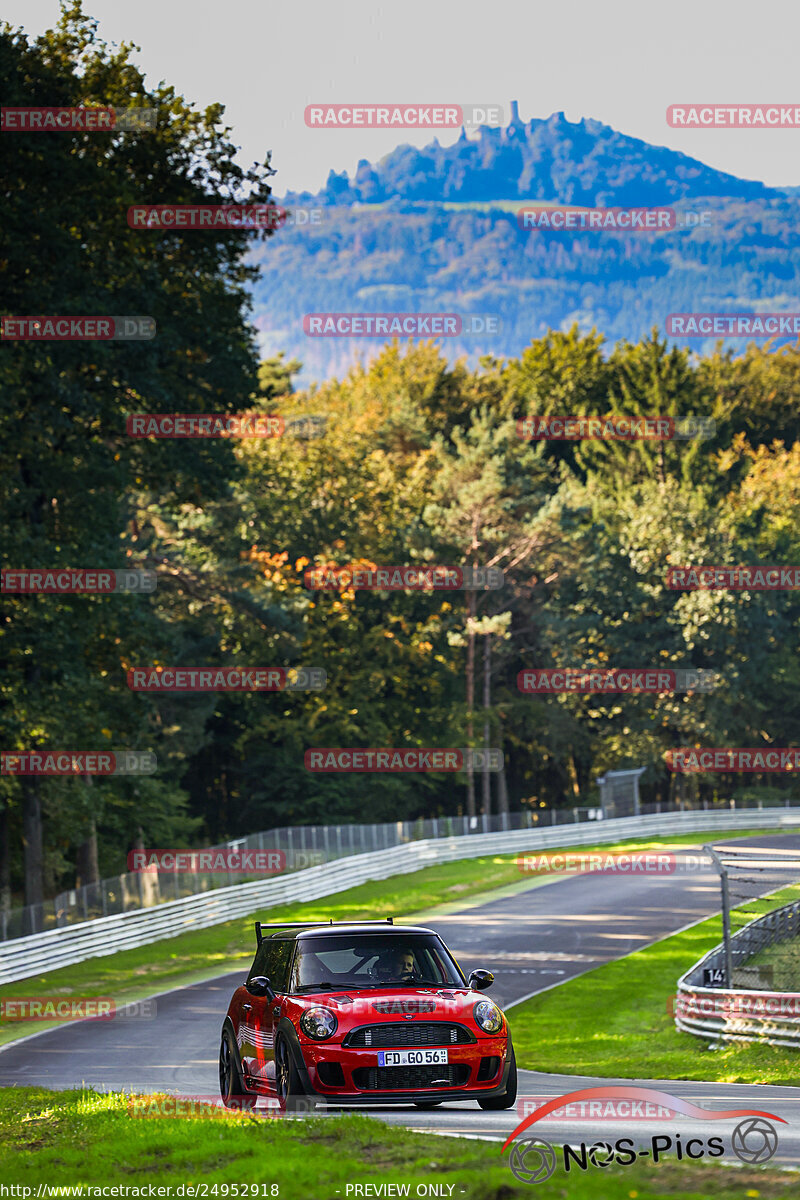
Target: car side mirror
{"x":481,"y":980}
{"x":259,"y":985}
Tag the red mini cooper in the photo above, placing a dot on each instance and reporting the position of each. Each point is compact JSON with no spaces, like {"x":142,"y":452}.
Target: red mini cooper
{"x":354,"y":1014}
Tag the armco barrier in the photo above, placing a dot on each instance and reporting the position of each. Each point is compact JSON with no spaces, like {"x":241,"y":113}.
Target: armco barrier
{"x":54,"y":948}
{"x":739,"y":1014}
{"x":303,"y":845}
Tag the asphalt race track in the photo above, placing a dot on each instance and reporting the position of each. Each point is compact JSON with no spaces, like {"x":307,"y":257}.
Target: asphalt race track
{"x":531,"y":940}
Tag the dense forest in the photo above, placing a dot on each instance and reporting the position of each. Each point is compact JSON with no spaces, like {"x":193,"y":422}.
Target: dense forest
{"x":416,"y":460}
{"x":474,"y":258}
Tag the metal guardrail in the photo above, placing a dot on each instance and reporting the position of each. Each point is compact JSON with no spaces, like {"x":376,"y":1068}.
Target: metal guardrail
{"x":738,"y":1014}
{"x":303,"y":846}
{"x":55,"y":948}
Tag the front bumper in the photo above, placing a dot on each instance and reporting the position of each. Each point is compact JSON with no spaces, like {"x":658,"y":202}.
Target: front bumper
{"x":310,"y":1059}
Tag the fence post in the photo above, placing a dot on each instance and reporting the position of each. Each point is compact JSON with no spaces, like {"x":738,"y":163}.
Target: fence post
{"x":726,"y":915}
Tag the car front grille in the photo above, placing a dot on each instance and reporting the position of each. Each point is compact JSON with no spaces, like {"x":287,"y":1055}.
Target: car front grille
{"x":406,"y":1079}
{"x":406,"y":1033}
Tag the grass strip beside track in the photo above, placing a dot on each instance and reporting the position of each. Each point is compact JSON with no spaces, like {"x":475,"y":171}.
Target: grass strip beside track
{"x":205,"y":953}
{"x":63,"y":1138}
{"x":616,"y":1021}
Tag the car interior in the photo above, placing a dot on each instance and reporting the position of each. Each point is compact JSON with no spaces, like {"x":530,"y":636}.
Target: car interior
{"x":370,"y":962}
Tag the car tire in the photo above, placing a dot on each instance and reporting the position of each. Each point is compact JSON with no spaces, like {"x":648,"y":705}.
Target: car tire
{"x":288,"y":1085}
{"x":509,"y":1096}
{"x":231,"y":1085}
{"x":427,"y":1103}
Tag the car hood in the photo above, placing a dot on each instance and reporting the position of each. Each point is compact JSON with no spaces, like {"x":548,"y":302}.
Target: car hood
{"x":395,"y":1004}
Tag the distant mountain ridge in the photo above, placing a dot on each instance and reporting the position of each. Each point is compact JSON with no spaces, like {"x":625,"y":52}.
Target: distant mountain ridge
{"x":435,"y":230}
{"x":584,"y":162}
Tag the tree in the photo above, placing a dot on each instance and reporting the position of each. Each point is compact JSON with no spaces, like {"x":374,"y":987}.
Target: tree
{"x":487,"y":497}
{"x":76,"y":490}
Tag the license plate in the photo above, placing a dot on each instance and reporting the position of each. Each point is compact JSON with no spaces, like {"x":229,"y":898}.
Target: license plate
{"x":410,"y":1058}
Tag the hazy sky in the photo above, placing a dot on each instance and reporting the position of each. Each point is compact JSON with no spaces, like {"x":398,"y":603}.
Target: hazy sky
{"x":622,"y":62}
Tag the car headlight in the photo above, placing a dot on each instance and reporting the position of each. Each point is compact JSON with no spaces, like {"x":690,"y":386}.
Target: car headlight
{"x":488,"y":1016}
{"x":318,"y":1023}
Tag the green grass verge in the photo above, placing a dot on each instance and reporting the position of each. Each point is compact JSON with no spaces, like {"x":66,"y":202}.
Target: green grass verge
{"x":616,"y":1020}
{"x":64,"y":1138}
{"x":191,"y":957}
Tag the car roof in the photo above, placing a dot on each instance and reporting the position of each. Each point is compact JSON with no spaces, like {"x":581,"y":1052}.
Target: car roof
{"x":349,"y":930}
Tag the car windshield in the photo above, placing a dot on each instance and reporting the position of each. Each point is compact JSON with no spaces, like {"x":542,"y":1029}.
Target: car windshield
{"x":373,"y":961}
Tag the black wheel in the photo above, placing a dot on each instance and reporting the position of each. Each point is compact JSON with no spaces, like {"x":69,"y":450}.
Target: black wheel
{"x":231,"y":1087}
{"x":291,"y":1096}
{"x":427,"y":1103}
{"x":509,"y":1097}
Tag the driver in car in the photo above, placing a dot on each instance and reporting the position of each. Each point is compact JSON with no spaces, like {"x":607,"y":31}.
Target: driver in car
{"x":397,"y":966}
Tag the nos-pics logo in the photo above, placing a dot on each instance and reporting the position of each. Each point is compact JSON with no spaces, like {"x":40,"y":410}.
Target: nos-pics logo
{"x":533,"y":1160}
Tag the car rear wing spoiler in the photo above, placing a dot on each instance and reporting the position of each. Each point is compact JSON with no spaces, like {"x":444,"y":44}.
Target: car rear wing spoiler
{"x":311,"y":924}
